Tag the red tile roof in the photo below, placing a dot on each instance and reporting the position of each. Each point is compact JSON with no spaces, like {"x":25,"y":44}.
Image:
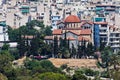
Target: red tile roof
{"x":81,"y":32}
{"x":80,"y":38}
{"x":59,"y":22}
{"x":77,"y":32}
{"x":85,"y":31}
{"x":27,"y":36}
{"x":86,"y":22}
{"x":100,"y":22}
{"x":72,"y":18}
{"x":70,"y":38}
{"x":57,"y":32}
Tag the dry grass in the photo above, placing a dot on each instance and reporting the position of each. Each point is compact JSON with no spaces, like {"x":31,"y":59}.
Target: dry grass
{"x":20,"y":61}
{"x":87,"y":63}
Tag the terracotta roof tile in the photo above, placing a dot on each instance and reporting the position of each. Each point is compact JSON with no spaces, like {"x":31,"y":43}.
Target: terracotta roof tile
{"x":85,"y":31}
{"x":72,"y":18}
{"x":86,"y":22}
{"x":27,"y":36}
{"x":59,"y":22}
{"x":57,"y":32}
{"x":81,"y":32}
{"x":70,"y":38}
{"x":80,"y":38}
{"x":100,"y":22}
{"x":77,"y":32}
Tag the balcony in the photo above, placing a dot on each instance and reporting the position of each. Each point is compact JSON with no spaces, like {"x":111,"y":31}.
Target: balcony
{"x":115,"y":46}
{"x":117,"y":37}
{"x":103,"y":28}
{"x":103,"y":33}
{"x":114,"y":41}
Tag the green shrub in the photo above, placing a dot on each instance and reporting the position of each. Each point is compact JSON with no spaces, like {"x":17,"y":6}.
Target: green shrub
{"x":105,"y":74}
{"x":79,"y":76}
{"x":51,"y":76}
{"x":64,"y":66}
{"x":82,"y":71}
{"x":89,"y":72}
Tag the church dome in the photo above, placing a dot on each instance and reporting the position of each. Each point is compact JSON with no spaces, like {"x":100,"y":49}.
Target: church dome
{"x":72,"y":18}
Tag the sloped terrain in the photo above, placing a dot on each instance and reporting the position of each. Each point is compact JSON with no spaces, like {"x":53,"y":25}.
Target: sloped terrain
{"x":86,"y":63}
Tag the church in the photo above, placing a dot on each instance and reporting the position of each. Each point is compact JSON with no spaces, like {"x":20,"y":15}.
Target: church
{"x":74,"y":29}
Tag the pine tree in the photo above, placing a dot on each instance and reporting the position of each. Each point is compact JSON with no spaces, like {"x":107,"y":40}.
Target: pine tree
{"x":55,"y":45}
{"x":74,"y":52}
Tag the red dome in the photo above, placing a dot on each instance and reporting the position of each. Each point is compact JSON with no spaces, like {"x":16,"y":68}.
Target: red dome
{"x":72,"y":18}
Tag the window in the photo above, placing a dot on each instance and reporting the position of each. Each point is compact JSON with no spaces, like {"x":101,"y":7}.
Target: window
{"x":58,"y":17}
{"x":53,"y":24}
{"x":42,"y":13}
{"x":111,"y":39}
{"x":53,"y":21}
{"x":117,"y":35}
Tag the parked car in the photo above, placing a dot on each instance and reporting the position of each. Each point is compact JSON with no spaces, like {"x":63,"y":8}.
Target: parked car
{"x":40,"y":57}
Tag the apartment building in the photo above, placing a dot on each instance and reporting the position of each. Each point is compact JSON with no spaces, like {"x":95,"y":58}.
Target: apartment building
{"x":100,"y":31}
{"x":3,"y":31}
{"x":114,"y":38}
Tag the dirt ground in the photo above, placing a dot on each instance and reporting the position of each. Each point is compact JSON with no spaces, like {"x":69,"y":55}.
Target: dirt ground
{"x":80,"y":63}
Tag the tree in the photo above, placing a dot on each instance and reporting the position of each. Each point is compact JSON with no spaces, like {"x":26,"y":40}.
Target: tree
{"x":35,"y":44}
{"x":74,"y":52}
{"x":55,"y":45}
{"x":51,"y":76}
{"x":65,"y":41}
{"x":3,"y":77}
{"x":5,"y":47}
{"x":106,"y":59}
{"x":6,"y":65}
{"x":5,"y":60}
{"x":106,"y":54}
{"x":102,"y":45}
{"x":13,"y":34}
{"x":83,"y":48}
{"x":46,"y":64}
{"x":34,"y":23}
{"x":79,"y":51}
{"x":90,"y":49}
{"x":15,"y":53}
{"x":65,"y":52}
{"x":79,"y":76}
{"x":48,"y":31}
{"x":115,"y":75}
{"x":115,"y":60}
{"x":22,"y":47}
{"x":41,"y":66}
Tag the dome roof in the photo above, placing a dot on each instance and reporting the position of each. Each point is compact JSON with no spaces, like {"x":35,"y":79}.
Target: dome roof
{"x":72,"y":18}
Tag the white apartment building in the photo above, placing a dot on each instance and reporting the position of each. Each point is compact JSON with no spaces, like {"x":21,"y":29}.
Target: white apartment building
{"x":114,"y":38}
{"x":3,"y":31}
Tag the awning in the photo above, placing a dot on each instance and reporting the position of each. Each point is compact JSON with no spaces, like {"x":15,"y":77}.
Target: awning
{"x":2,"y":24}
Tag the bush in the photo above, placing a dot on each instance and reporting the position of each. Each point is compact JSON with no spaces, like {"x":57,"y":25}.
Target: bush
{"x":48,"y":66}
{"x":105,"y":74}
{"x":15,"y":53}
{"x":51,"y":76}
{"x":90,"y":72}
{"x":64,"y":66}
{"x":79,"y":76}
{"x":41,"y":66}
{"x":82,"y":71}
{"x":3,"y":77}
